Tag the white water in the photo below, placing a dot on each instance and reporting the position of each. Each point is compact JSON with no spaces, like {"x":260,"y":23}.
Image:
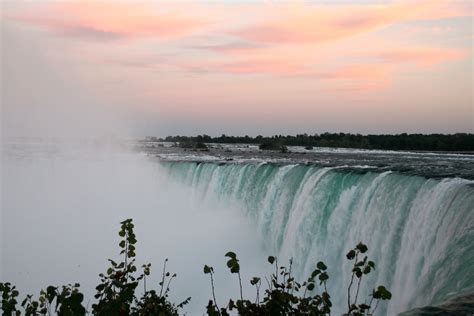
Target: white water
{"x":420,"y":231}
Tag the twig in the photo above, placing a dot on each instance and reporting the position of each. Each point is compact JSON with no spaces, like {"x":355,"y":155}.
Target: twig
{"x":349,"y":294}
{"x":144,"y":283}
{"x":168,"y":285}
{"x":289,"y":275}
{"x":371,"y":300}
{"x":276,"y":269}
{"x":257,"y":285}
{"x":350,"y":285}
{"x":240,"y":283}
{"x":126,"y":257}
{"x":163,"y":277}
{"x":213,"y":292}
{"x":376,"y":305}
{"x":269,"y":284}
{"x":357,"y":292}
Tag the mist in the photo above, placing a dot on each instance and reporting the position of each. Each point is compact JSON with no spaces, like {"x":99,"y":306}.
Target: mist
{"x":61,"y":212}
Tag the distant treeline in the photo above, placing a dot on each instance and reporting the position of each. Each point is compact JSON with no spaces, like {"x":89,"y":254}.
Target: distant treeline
{"x":435,"y":142}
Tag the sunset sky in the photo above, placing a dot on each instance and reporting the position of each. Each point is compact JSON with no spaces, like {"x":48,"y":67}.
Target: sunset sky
{"x":236,"y":67}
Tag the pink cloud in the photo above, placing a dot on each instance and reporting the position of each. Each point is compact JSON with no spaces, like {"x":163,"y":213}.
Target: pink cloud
{"x":362,"y":71}
{"x":287,"y":68}
{"x":317,"y":43}
{"x":420,"y":56}
{"x":311,"y":61}
{"x":99,"y":20}
{"x":262,"y":66}
{"x":236,"y":47}
{"x":318,"y":24}
{"x":71,"y":28}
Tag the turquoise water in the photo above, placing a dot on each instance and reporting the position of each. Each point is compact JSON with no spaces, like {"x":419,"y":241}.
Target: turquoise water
{"x":420,"y":231}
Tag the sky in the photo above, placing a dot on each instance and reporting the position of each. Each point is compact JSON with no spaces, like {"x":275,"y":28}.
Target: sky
{"x":138,"y":68}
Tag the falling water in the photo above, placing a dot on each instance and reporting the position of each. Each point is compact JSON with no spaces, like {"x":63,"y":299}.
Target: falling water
{"x":420,"y":231}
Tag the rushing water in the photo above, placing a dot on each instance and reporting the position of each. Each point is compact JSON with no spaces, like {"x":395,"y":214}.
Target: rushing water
{"x":420,"y":231}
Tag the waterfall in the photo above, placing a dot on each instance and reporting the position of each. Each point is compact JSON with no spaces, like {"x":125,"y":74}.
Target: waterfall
{"x":420,"y":231}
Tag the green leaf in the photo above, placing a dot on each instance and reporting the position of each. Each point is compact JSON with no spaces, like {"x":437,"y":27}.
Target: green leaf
{"x":271,"y":259}
{"x":362,"y":248}
{"x":315,"y":273}
{"x":323,"y":277}
{"x":351,"y":254}
{"x":231,"y":254}
{"x":231,"y":304}
{"x":382,"y":293}
{"x":50,"y":293}
{"x":100,"y":287}
{"x":207,"y":269}
{"x":364,"y":306}
{"x":254,"y":280}
{"x":321,"y":265}
{"x":325,"y":296}
{"x":376,"y":294}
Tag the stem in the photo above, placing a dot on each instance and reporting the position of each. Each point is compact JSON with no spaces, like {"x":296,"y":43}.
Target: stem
{"x":349,"y":294}
{"x":376,"y":305}
{"x":370,"y":304}
{"x":163,"y":277}
{"x":213,"y":292}
{"x":240,"y":283}
{"x":357,"y":292}
{"x":269,"y":284}
{"x":126,"y":257}
{"x":289,"y":276}
{"x":276,"y":270}
{"x":350,"y":285}
{"x":168,"y":285}
{"x":258,"y":292}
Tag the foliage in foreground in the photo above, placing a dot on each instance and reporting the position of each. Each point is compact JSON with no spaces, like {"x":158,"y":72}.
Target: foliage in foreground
{"x":116,"y":292}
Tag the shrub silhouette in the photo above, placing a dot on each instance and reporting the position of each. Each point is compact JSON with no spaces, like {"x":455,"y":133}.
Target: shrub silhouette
{"x":116,"y":292}
{"x":283,"y":294}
